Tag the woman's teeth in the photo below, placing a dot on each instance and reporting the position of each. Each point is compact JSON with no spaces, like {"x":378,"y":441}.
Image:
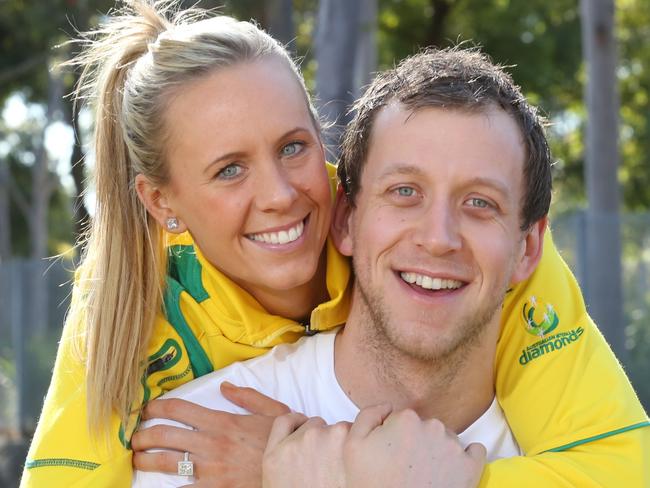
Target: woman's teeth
{"x":282,"y":237}
{"x":429,"y":283}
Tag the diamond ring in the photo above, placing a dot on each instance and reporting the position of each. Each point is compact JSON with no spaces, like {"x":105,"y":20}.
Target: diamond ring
{"x":186,"y":467}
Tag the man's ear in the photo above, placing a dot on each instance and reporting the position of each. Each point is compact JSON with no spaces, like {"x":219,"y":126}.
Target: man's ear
{"x":157,"y":204}
{"x":531,"y":251}
{"x":340,"y":229}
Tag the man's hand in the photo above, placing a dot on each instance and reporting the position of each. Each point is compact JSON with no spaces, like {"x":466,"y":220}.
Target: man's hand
{"x":385,"y":449}
{"x":226,"y":449}
{"x":381,"y":449}
{"x":304,"y":452}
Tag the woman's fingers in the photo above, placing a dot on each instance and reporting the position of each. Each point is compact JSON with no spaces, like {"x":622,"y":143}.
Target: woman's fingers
{"x":182,"y":411}
{"x":252,"y":400}
{"x":165,"y":437}
{"x":163,"y":461}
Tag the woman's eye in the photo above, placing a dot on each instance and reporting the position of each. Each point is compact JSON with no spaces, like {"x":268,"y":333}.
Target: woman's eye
{"x":230,"y":171}
{"x":405,"y":191}
{"x":291,"y":148}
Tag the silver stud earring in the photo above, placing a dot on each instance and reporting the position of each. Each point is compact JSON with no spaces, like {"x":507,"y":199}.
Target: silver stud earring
{"x":172,"y":223}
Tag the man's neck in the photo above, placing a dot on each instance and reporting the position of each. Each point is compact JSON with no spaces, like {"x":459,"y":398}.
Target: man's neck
{"x":456,"y":389}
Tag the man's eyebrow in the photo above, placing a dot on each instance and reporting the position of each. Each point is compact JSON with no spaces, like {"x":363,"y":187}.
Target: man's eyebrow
{"x":493,"y":183}
{"x":240,"y":154}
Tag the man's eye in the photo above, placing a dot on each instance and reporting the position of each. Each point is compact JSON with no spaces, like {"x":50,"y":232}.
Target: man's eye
{"x":230,"y":171}
{"x":479,"y":203}
{"x":291,"y":148}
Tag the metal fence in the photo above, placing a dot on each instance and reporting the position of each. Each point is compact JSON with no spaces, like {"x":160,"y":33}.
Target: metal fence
{"x":34,"y":297}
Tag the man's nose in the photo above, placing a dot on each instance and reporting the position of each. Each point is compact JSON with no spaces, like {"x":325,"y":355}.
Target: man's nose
{"x":274,"y":190}
{"x":437,"y":229}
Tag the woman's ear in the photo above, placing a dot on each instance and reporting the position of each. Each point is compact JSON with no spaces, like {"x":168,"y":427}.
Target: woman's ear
{"x":531,"y":252}
{"x":157,"y":204}
{"x":342,"y":223}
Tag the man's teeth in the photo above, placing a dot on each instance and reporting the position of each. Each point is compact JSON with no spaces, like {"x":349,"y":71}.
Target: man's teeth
{"x":282,"y":237}
{"x":430,"y":283}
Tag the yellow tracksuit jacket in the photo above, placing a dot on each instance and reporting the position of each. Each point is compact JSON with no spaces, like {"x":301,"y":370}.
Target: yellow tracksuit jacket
{"x":565,"y":396}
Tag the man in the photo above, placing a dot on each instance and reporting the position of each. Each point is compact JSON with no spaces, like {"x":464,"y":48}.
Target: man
{"x":446,"y":186}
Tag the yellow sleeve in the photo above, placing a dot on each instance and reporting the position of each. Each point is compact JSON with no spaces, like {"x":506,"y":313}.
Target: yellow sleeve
{"x":568,"y":402}
{"x":618,"y":460}
{"x":62,"y":452}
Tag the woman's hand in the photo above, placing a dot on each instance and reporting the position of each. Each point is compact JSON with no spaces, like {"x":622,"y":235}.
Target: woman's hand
{"x":226,"y":449}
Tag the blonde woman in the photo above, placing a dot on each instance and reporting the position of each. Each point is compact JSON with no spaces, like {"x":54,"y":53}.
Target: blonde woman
{"x":209,"y":245}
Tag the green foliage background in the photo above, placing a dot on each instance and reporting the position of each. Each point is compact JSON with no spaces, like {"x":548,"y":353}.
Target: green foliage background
{"x":538,"y":39}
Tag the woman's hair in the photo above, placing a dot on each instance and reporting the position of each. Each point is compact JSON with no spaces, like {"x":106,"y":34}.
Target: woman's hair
{"x":130,"y":66}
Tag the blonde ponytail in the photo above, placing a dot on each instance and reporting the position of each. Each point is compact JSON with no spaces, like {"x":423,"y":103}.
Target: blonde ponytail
{"x":129,"y":66}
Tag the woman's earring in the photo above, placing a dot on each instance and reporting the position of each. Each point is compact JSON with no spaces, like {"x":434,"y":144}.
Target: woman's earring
{"x":172,"y":223}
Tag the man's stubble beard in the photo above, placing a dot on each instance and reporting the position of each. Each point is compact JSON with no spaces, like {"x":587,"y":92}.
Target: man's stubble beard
{"x":445,"y":356}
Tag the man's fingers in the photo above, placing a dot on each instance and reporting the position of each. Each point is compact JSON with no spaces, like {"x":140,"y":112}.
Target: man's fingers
{"x":284,"y":426}
{"x":369,"y":418}
{"x":253,"y":401}
{"x":164,"y":437}
{"x":477,"y":452}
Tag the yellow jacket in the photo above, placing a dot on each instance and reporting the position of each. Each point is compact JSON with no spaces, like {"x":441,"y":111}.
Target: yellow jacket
{"x":566,"y":398}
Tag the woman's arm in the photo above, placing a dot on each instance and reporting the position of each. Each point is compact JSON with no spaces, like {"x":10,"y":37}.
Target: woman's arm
{"x":62,"y":452}
{"x":563,"y":390}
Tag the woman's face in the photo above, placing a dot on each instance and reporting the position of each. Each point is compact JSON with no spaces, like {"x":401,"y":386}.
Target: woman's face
{"x":247,"y":175}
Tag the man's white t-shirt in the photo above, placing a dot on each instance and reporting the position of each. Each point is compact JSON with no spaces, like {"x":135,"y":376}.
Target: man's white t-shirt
{"x":301,"y":375}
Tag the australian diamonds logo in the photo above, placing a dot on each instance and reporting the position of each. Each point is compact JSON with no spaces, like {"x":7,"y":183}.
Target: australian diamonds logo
{"x":540,"y":320}
{"x":548,"y":319}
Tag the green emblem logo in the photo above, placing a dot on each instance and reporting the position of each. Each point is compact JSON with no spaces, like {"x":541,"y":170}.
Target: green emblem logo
{"x":540,"y":318}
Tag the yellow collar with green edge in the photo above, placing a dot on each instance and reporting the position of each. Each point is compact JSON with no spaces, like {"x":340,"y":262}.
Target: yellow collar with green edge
{"x":224,"y":308}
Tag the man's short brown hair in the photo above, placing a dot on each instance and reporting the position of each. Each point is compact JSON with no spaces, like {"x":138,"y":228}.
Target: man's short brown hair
{"x":453,"y":79}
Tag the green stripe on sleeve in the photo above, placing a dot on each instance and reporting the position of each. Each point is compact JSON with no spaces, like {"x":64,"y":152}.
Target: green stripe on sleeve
{"x":69,"y":463}
{"x":600,"y":436}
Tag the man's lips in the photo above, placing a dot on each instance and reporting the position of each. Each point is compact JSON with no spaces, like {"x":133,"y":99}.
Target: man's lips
{"x":429,"y":282}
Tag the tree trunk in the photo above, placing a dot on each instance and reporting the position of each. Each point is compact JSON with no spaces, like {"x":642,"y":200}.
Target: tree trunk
{"x":5,"y":212}
{"x":336,"y":39}
{"x":366,"y":54}
{"x":603,"y":244}
{"x":278,"y":18}
{"x":77,"y":162}
{"x":44,"y":181}
{"x":77,"y":170}
{"x":441,"y":11}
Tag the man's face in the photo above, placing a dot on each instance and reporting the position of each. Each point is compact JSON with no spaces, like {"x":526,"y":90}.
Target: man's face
{"x":435,"y":233}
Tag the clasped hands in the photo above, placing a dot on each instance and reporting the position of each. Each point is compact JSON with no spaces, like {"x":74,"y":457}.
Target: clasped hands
{"x":275,"y":448}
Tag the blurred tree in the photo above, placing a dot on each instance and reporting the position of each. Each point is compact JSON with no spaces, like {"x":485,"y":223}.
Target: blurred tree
{"x":335,"y":46}
{"x":28,"y":34}
{"x":633,"y":29}
{"x":346,"y":56}
{"x":5,"y":222}
{"x":278,"y":19}
{"x":603,"y":241}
